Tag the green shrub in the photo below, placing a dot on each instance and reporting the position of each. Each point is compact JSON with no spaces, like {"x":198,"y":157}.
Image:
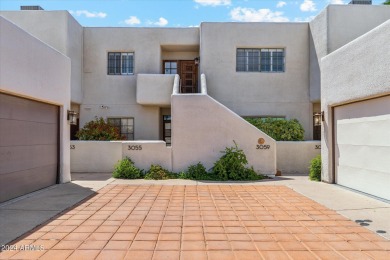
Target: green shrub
{"x":125,"y":169}
{"x":279,"y":129}
{"x":197,"y":172}
{"x":156,"y":172}
{"x":99,"y":130}
{"x":315,"y":169}
{"x":232,"y":166}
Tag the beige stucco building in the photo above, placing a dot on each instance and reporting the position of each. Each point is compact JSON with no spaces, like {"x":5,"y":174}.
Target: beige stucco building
{"x":127,"y":76}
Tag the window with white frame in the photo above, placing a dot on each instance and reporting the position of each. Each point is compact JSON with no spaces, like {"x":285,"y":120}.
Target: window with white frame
{"x":260,"y":60}
{"x":120,"y":63}
{"x":124,"y":125}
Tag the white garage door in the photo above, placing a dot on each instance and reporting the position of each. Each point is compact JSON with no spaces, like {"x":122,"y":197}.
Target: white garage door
{"x":362,"y":146}
{"x":28,"y":146}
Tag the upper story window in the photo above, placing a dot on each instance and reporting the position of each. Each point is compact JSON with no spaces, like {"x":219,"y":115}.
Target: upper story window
{"x":260,"y":60}
{"x":120,"y":63}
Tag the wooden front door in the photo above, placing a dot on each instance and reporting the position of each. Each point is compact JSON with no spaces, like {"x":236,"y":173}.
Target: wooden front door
{"x":188,"y":76}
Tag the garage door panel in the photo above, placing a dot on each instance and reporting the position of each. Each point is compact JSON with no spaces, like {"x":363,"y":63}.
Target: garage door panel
{"x":360,"y":179}
{"x":19,"y":183}
{"x":364,"y":131}
{"x":28,"y":146}
{"x":27,"y":133}
{"x":362,"y":146}
{"x":27,"y":110}
{"x":20,"y":158}
{"x":365,"y":157}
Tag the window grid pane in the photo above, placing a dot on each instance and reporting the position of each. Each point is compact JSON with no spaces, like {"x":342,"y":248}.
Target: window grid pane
{"x":125,"y":126}
{"x":260,"y":60}
{"x":120,"y":63}
{"x":170,"y":67}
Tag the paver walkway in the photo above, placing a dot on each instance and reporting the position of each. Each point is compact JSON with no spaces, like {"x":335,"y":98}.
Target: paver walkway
{"x":199,"y":222}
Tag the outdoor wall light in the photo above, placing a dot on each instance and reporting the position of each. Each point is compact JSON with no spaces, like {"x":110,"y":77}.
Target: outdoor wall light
{"x":318,"y":118}
{"x":72,"y":117}
{"x":197,"y":60}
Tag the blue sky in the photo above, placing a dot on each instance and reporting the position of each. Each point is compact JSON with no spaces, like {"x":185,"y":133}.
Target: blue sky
{"x":180,"y":13}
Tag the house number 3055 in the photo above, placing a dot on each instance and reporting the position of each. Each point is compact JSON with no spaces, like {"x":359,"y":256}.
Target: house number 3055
{"x":134,"y":147}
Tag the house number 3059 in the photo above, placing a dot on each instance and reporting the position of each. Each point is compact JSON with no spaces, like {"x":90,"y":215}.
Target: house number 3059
{"x":134,"y":147}
{"x":263,"y":147}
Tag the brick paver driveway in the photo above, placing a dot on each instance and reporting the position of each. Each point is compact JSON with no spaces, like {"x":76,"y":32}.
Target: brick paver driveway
{"x":200,"y":222}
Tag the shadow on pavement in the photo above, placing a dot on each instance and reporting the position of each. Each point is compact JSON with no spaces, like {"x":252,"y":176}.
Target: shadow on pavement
{"x":23,"y":214}
{"x":101,"y":176}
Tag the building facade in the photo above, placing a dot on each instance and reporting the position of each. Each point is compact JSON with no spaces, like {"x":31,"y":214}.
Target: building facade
{"x":126,"y":75}
{"x":255,"y":69}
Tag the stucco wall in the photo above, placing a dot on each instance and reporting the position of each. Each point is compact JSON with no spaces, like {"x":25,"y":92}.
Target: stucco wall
{"x":346,"y":78}
{"x":294,"y":157}
{"x":101,"y":156}
{"x":319,"y":32}
{"x":336,"y":26}
{"x":258,"y":93}
{"x":356,"y":20}
{"x":199,"y":136}
{"x":74,"y":50}
{"x":94,"y":156}
{"x":118,"y":92}
{"x":154,"y":89}
{"x":20,"y":75}
{"x":315,"y":73}
{"x":145,"y":153}
{"x":59,"y":30}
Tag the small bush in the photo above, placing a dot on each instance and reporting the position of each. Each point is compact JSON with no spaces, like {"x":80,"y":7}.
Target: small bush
{"x":156,"y":172}
{"x":315,"y":169}
{"x":279,"y":129}
{"x":125,"y":169}
{"x":232,"y":166}
{"x":99,"y":130}
{"x":197,"y":172}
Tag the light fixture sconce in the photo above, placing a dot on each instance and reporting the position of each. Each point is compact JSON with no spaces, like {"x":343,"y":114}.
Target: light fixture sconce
{"x":197,"y":60}
{"x":72,"y":117}
{"x":318,"y":118}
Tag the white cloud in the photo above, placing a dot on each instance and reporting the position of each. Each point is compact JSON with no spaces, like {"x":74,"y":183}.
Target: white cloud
{"x":88,"y":14}
{"x":308,"y":6}
{"x":213,"y":2}
{"x":161,"y":22}
{"x":132,"y":20}
{"x":242,"y":14}
{"x":280,"y":4}
{"x":337,"y":2}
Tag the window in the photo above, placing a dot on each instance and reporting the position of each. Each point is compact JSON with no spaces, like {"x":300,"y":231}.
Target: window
{"x":120,"y":63}
{"x":170,"y":67}
{"x":124,"y":125}
{"x":260,"y":60}
{"x":167,"y":127}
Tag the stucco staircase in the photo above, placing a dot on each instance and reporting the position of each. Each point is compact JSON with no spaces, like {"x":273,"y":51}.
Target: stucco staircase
{"x":202,"y":127}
